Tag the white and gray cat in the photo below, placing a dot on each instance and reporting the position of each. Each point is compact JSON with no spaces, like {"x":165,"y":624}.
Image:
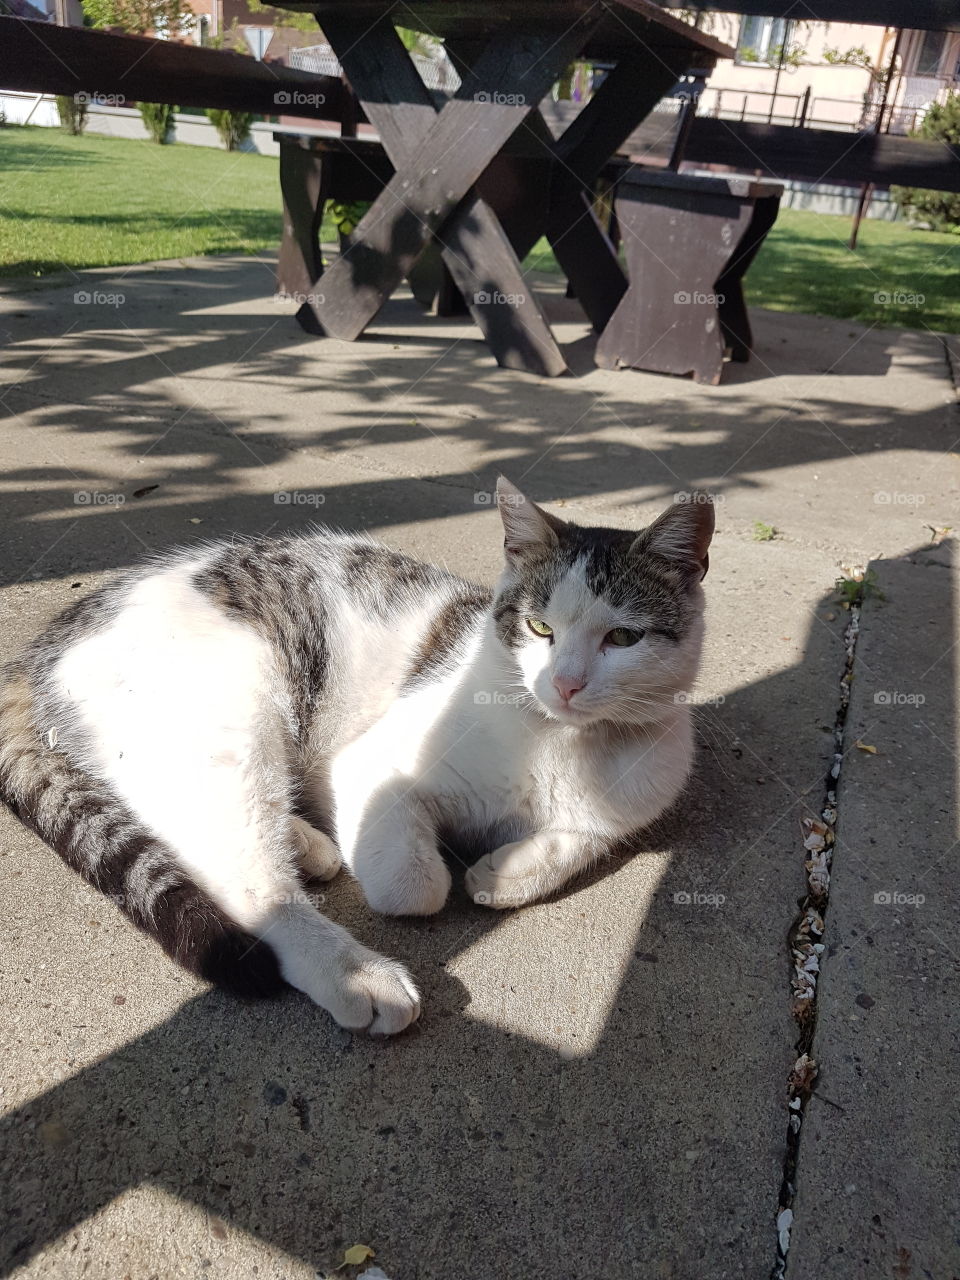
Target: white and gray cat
{"x":167,"y":734}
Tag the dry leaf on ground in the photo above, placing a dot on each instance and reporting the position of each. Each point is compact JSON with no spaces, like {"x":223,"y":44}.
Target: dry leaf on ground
{"x":356,"y":1254}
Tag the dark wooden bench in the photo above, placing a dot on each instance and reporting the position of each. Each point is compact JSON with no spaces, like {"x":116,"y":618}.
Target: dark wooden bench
{"x":688,"y":242}
{"x":315,"y":168}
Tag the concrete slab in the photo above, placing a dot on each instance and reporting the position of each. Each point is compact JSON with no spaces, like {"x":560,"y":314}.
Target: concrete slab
{"x":880,"y":1156}
{"x":598,"y":1084}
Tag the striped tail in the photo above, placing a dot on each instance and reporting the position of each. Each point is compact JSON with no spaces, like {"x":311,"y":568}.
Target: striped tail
{"x":98,"y":836}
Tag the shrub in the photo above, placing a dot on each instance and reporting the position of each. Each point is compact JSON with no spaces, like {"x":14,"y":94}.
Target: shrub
{"x":233,"y":127}
{"x":940,"y":208}
{"x":139,"y":17}
{"x":346,"y":216}
{"x":158,"y":119}
{"x":73,"y":114}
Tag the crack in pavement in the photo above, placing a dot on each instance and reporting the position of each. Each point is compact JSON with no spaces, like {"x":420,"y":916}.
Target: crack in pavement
{"x":805,"y":940}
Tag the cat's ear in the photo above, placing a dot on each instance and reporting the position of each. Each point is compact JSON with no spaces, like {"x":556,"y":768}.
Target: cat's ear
{"x":526,"y":527}
{"x":681,"y":535}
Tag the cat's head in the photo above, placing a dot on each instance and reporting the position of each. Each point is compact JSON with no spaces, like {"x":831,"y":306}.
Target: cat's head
{"x":605,"y":624}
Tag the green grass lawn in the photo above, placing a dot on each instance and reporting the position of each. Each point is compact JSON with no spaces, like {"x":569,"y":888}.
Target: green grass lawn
{"x":805,"y":265}
{"x":91,"y":201}
{"x":97,"y":202}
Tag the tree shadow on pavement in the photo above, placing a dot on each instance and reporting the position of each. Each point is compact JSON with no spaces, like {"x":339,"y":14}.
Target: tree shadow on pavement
{"x":190,"y":392}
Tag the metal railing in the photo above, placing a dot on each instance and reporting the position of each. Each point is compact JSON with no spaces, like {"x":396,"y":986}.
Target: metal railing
{"x":761,"y":106}
{"x":804,"y":110}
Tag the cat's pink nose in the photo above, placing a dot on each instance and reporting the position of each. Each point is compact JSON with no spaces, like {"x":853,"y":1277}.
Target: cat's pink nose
{"x":567,"y":687}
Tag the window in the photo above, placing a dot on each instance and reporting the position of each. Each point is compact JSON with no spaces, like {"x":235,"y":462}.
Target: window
{"x":930,"y":53}
{"x":761,"y":39}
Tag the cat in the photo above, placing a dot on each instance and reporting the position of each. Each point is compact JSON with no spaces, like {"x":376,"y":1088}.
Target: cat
{"x":167,"y":734}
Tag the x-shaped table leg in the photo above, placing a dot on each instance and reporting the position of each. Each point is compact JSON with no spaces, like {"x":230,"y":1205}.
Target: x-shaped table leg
{"x":623,"y":101}
{"x":438,"y":156}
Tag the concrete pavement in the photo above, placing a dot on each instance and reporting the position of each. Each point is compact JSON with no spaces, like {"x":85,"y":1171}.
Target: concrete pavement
{"x":599,"y":1083}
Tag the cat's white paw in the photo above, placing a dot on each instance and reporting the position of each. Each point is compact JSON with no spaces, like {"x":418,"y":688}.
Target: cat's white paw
{"x":367,"y":992}
{"x":319,"y":857}
{"x":510,"y":876}
{"x":405,"y":883}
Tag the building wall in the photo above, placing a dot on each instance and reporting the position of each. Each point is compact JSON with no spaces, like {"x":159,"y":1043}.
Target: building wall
{"x":66,"y":13}
{"x":745,"y":86}
{"x":916,"y":86}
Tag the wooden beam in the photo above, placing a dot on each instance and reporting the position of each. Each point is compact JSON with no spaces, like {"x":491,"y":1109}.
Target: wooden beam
{"x":38,"y":57}
{"x":823,"y":155}
{"x":628,"y":95}
{"x":782,"y":151}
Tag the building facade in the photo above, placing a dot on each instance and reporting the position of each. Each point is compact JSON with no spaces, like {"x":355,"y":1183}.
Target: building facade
{"x":828,"y":75}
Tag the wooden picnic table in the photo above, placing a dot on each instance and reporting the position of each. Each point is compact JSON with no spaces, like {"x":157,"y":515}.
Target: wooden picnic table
{"x":508,"y":54}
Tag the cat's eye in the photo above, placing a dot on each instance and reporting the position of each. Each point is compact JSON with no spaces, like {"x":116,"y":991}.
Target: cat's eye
{"x":539,"y":628}
{"x":622,"y":637}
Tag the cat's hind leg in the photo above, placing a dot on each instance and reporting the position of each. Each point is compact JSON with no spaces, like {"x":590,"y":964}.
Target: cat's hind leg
{"x":181,"y":708}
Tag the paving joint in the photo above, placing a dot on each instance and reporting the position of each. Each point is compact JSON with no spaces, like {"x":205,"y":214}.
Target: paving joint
{"x":807,"y":947}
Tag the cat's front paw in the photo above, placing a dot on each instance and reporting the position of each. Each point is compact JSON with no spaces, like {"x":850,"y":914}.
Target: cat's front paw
{"x":370,"y":993}
{"x":404,"y":882}
{"x":510,"y":876}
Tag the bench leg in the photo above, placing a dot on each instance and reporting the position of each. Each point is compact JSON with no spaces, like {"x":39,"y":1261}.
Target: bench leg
{"x":734,"y":321}
{"x":426,"y":276}
{"x":583,"y":251}
{"x":733,"y":309}
{"x":304,"y":181}
{"x":450,"y":301}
